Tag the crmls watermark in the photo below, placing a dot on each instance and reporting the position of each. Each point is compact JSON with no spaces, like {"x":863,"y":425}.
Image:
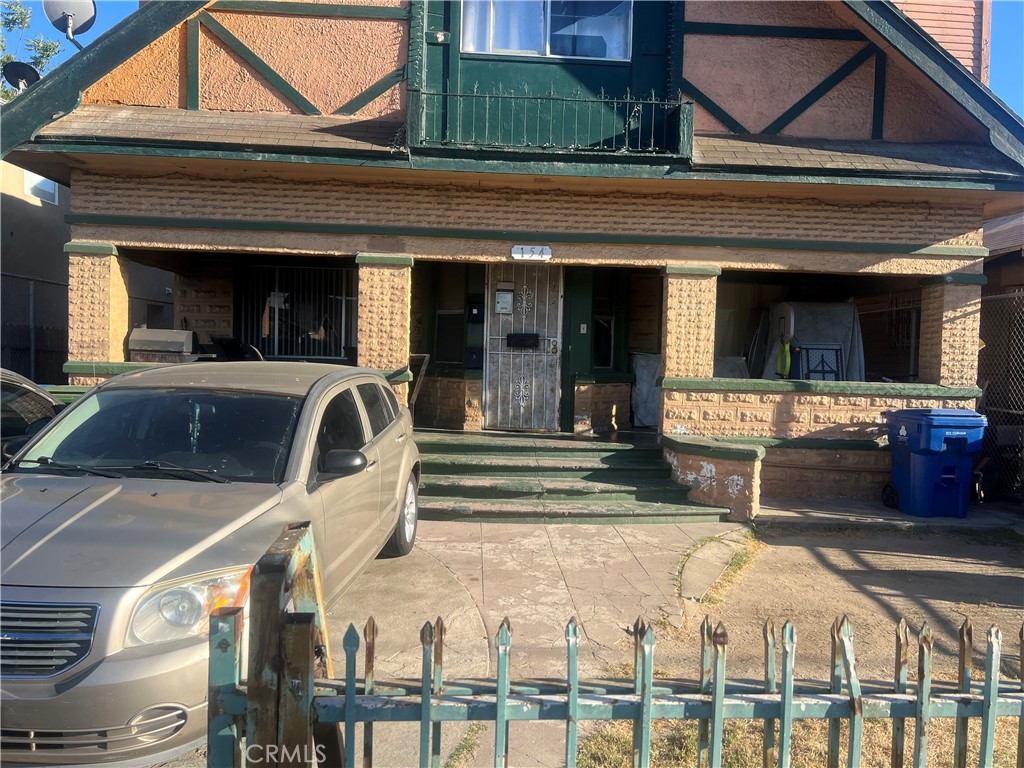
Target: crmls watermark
{"x":272,"y":754}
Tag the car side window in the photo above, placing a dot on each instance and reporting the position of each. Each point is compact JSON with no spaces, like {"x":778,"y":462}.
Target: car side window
{"x":340,"y":426}
{"x":20,"y":408}
{"x":391,"y":401}
{"x":373,"y":399}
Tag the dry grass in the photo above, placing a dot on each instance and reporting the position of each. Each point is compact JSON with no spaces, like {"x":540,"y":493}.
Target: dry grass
{"x":752,"y":547}
{"x":674,"y":744}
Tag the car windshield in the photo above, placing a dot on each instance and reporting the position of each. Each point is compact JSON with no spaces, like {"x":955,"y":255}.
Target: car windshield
{"x":184,"y":434}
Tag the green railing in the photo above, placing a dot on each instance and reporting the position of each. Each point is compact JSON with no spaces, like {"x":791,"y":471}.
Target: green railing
{"x":290,"y":707}
{"x":630,"y":127}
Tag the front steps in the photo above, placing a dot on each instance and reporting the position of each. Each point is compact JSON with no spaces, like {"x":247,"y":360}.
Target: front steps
{"x":557,"y":478}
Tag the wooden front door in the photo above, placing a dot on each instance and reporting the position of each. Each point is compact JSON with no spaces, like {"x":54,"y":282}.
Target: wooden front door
{"x":524,"y":347}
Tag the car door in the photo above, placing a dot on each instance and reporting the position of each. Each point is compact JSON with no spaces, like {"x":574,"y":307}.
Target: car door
{"x":350,"y":503}
{"x":388,"y":438}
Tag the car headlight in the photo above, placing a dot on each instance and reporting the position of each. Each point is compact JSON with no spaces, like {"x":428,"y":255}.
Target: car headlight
{"x":179,"y":609}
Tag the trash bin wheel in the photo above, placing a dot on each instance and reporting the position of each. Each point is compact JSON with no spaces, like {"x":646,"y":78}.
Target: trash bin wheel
{"x":890,"y":496}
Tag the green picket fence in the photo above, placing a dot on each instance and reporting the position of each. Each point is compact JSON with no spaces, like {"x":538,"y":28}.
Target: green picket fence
{"x":293,"y":708}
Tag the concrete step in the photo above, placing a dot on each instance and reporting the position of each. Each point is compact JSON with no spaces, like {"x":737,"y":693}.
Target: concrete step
{"x":537,"y":466}
{"x":473,"y":444}
{"x":599,"y":489}
{"x":536,"y":510}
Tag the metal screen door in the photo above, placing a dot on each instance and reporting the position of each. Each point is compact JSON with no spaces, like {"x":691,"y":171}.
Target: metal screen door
{"x":522,"y":384}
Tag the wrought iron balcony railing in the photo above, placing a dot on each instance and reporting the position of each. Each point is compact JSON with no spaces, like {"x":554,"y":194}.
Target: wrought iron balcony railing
{"x":630,"y":127}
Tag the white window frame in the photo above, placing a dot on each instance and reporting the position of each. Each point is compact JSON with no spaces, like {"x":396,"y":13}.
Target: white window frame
{"x":33,"y":183}
{"x":547,"y":38}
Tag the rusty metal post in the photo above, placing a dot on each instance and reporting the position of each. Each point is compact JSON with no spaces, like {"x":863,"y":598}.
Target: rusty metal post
{"x":295,"y":726}
{"x":990,"y":697}
{"x":924,"y":693}
{"x":369,"y":686}
{"x":770,"y":687}
{"x":721,"y":641}
{"x":704,"y":726}
{"x":900,"y":675}
{"x":836,"y":687}
{"x":438,"y":683}
{"x":965,"y":667}
{"x":223,"y":740}
{"x":856,"y":699}
{"x":786,"y":695}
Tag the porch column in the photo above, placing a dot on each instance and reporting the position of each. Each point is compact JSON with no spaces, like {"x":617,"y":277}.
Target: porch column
{"x":688,"y":330}
{"x":98,"y":323}
{"x":950,"y":326}
{"x":385,"y":303}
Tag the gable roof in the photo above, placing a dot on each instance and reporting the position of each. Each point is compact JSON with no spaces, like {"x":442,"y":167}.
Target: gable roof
{"x":60,"y":93}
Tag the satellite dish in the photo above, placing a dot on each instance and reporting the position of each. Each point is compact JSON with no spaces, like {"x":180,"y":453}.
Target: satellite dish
{"x":71,"y":16}
{"x":20,"y":75}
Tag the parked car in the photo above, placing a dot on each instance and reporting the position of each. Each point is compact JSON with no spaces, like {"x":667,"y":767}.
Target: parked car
{"x":143,"y":506}
{"x":25,"y":408}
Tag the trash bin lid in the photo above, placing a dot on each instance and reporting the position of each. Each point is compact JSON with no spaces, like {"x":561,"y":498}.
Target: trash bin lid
{"x":933,"y":413}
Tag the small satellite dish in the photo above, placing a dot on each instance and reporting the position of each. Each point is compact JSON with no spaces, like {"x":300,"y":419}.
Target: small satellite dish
{"x":71,"y":16}
{"x":20,"y":75}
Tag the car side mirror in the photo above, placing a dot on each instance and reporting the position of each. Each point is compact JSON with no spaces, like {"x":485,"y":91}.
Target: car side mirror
{"x":12,"y":446}
{"x":341,"y":462}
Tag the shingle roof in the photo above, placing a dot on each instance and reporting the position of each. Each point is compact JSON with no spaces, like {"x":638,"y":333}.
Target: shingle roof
{"x":766,"y":152}
{"x":258,"y":130}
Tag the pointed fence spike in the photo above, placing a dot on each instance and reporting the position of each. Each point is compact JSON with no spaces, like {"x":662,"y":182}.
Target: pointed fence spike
{"x":901,"y":672}
{"x":721,"y":649}
{"x":836,"y":687}
{"x":704,"y":725}
{"x":770,"y":686}
{"x":990,"y":695}
{"x":965,"y":668}
{"x":856,"y":727}
{"x":350,"y":643}
{"x":427,"y":634}
{"x":922,"y":724}
{"x":786,"y":695}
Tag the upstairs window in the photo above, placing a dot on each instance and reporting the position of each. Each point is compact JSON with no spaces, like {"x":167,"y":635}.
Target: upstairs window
{"x":589,"y":29}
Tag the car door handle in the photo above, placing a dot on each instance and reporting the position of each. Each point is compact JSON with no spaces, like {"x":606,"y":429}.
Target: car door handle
{"x":371,"y":465}
{"x":401,"y":438}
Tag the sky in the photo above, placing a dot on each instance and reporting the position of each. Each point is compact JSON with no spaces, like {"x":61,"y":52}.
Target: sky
{"x":1006,"y":66}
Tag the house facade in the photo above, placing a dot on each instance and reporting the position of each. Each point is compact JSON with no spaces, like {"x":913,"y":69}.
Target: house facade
{"x":582,"y":216}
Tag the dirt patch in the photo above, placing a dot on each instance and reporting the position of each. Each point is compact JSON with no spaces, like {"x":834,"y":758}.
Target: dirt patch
{"x":874,"y":579}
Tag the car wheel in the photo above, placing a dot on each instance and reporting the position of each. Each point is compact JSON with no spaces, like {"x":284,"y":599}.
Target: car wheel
{"x":404,"y":535}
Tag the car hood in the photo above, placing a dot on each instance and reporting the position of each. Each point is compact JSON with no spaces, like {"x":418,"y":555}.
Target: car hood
{"x":93,"y":532}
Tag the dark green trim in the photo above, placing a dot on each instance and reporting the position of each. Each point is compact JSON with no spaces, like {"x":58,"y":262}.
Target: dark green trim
{"x":711,"y":448}
{"x":192,"y":66}
{"x":262,"y":68}
{"x":676,"y":23}
{"x":768,"y":30}
{"x":442,"y":372}
{"x":102,"y":249}
{"x":515,"y":235}
{"x":852,"y":388}
{"x":1007,"y":129}
{"x":713,"y":109}
{"x":605,"y":377}
{"x":312,"y":9}
{"x":957,"y":278}
{"x":878,"y":104}
{"x":811,"y":443}
{"x":104,"y":368}
{"x":57,"y":94}
{"x":385,"y":259}
{"x":396,"y":377}
{"x":375,"y":91}
{"x":709,"y":271}
{"x":67,"y":393}
{"x":820,"y":90}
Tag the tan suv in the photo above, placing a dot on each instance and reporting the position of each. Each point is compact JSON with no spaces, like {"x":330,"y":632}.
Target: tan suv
{"x":143,"y":507}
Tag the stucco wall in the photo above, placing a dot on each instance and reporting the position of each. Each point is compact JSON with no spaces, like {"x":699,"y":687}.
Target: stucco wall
{"x":328,"y":60}
{"x":756,"y":79}
{"x":450,"y":403}
{"x":97,"y":307}
{"x":824,"y":473}
{"x":731,"y":483}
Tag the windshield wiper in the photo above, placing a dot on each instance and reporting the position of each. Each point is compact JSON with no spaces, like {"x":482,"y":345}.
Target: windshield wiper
{"x":46,"y":461}
{"x":201,"y":474}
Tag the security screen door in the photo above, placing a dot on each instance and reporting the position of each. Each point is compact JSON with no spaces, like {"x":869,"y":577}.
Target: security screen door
{"x":522,"y":371}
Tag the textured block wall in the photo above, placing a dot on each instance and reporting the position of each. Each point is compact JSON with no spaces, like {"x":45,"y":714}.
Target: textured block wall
{"x":97,"y":307}
{"x":824,"y":473}
{"x":950,"y":332}
{"x":204,"y":303}
{"x":385,"y":292}
{"x":601,"y":408}
{"x":688,"y":336}
{"x":731,"y":483}
{"x":450,"y":403}
{"x":784,"y":414}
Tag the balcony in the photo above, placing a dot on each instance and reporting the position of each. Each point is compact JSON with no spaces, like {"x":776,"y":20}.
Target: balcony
{"x":586,"y":128}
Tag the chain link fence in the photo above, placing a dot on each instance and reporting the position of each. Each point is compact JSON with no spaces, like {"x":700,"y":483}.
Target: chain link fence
{"x":1001,"y":377}
{"x":34,"y":332}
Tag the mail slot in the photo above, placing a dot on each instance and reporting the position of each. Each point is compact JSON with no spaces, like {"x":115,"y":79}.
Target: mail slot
{"x":522,"y":340}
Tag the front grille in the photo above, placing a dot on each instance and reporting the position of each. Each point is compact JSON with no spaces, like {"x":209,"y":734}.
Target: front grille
{"x":44,"y":639}
{"x":147,"y":728}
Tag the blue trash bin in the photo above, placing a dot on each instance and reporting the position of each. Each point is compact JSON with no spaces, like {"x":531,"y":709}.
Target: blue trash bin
{"x":932,"y":460}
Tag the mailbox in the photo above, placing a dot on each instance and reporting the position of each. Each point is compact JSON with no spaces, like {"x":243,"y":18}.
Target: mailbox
{"x":522,"y":340}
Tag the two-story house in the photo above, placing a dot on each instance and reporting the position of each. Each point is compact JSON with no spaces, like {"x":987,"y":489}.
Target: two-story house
{"x":755,"y":226}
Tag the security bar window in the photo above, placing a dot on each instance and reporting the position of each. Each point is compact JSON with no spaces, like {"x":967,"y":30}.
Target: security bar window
{"x":589,"y":29}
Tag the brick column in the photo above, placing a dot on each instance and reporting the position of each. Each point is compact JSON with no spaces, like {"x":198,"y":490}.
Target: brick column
{"x":98,"y":323}
{"x":688,"y":329}
{"x":950,"y":326}
{"x":385,"y":301}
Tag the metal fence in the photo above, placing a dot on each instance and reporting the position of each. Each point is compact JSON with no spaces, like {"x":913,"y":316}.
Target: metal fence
{"x":510,"y":119}
{"x":289,"y":710}
{"x":1001,"y":376}
{"x":34,"y":333}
